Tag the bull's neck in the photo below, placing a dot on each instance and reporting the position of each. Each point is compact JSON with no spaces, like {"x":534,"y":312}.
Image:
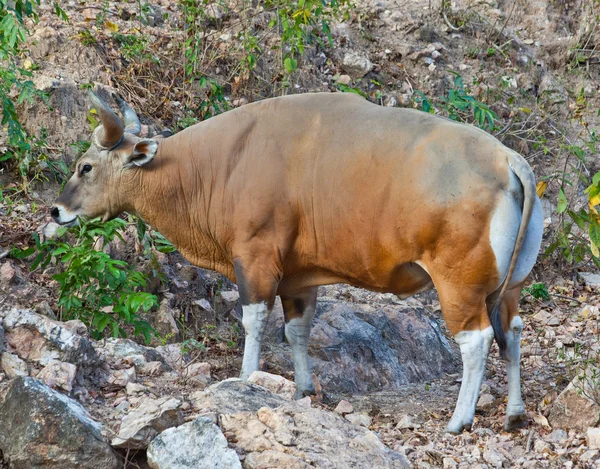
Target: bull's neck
{"x":175,"y":200}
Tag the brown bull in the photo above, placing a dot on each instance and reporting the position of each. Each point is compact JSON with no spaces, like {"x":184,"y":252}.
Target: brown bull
{"x":290,"y":193}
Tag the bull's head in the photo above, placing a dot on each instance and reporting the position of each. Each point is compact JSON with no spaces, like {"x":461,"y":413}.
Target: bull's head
{"x":106,"y":168}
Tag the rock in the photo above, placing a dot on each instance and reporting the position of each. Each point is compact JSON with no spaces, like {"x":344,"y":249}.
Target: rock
{"x":8,"y":274}
{"x":135,"y":388}
{"x":225,"y":301}
{"x":449,"y":463}
{"x":36,"y":338}
{"x":485,"y":400}
{"x":42,"y":428}
{"x":591,"y":279}
{"x":356,"y":65}
{"x":152,"y":369}
{"x":13,"y":366}
{"x":59,"y":375}
{"x":572,"y":409}
{"x":2,"y":341}
{"x":234,"y":395}
{"x":344,"y":407}
{"x":344,"y":80}
{"x":541,"y":446}
{"x":551,"y":90}
{"x":141,"y":425}
{"x":359,"y":419}
{"x":198,"y":444}
{"x":121,"y":378}
{"x":557,"y":436}
{"x":593,"y":438}
{"x":197,"y":370}
{"x":547,"y":319}
{"x":285,"y":438}
{"x":164,"y":320}
{"x":120,"y":351}
{"x":171,"y":355}
{"x":274,"y":383}
{"x":493,"y":457}
{"x":407,"y":422}
{"x":356,"y":348}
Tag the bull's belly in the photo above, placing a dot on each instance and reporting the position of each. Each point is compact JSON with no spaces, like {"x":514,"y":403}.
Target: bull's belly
{"x":404,"y":280}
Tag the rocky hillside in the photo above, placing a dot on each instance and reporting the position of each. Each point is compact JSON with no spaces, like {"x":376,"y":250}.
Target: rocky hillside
{"x":386,"y":371}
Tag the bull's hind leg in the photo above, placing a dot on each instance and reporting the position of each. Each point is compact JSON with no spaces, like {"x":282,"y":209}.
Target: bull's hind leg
{"x":465,"y":313}
{"x":257,"y":294}
{"x":299,"y":310}
{"x":513,"y":326}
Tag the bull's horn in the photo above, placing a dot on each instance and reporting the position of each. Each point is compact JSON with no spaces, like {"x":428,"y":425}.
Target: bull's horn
{"x":112,"y":130}
{"x":132,"y":122}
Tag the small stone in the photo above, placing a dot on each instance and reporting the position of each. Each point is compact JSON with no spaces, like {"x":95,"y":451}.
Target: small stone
{"x":493,"y":457}
{"x":486,"y":400}
{"x":13,"y":366}
{"x":407,"y":423}
{"x":344,"y":407}
{"x":359,"y":419}
{"x":591,"y":279}
{"x":151,"y":369}
{"x":274,"y":383}
{"x":547,"y":319}
{"x":593,"y":438}
{"x":435,"y":55}
{"x":121,"y":378}
{"x":197,"y":369}
{"x":557,"y":436}
{"x":8,"y":274}
{"x":356,"y":64}
{"x":449,"y":463}
{"x":344,"y":80}
{"x":541,"y":446}
{"x":135,"y":388}
{"x":59,"y":375}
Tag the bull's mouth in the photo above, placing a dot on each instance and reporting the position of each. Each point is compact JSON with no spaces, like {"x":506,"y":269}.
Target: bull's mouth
{"x":69,"y":223}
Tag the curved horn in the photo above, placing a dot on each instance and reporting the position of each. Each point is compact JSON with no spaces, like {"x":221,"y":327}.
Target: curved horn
{"x":132,"y":122}
{"x":112,"y":130}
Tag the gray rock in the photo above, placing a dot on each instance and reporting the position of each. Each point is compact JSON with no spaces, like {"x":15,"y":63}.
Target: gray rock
{"x":127,"y":351}
{"x":285,"y":438}
{"x":572,"y":409}
{"x":164,"y":320}
{"x":356,"y":65}
{"x":141,"y":425}
{"x":199,"y":444}
{"x":2,"y":341}
{"x":59,"y":375}
{"x":37,"y":338}
{"x":366,"y":347}
{"x":42,"y":428}
{"x":13,"y":366}
{"x":234,"y":395}
{"x":591,"y":279}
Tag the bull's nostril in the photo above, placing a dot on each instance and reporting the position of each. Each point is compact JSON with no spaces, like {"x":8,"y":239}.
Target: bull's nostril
{"x":55,"y":213}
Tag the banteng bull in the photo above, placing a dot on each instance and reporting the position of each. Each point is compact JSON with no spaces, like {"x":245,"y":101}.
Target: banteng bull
{"x":290,"y":193}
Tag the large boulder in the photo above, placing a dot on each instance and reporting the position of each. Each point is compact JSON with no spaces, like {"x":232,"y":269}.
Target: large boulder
{"x":234,"y":395}
{"x":199,"y":444}
{"x":42,"y":428}
{"x":36,"y":338}
{"x":577,"y":407}
{"x":295,"y":435}
{"x":367,"y":347}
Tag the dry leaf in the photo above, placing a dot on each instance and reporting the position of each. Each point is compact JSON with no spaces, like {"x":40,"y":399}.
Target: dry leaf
{"x":540,"y":188}
{"x":112,"y":27}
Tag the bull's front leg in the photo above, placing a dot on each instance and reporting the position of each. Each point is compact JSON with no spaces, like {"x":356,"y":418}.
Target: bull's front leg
{"x":257,"y":294}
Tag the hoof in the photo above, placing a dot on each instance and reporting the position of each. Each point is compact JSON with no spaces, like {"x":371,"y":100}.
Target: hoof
{"x":457,"y":428}
{"x":301,"y":393}
{"x":515,"y":422}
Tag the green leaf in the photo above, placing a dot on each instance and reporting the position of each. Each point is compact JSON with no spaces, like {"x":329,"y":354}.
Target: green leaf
{"x":562,"y":202}
{"x":290,"y":64}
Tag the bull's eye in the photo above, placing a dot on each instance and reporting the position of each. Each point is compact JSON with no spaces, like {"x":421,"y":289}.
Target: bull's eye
{"x":86,"y":168}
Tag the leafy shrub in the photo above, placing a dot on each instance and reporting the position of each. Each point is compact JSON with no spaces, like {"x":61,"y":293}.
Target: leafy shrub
{"x":105,"y":293}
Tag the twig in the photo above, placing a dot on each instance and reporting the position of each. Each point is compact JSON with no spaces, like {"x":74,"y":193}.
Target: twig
{"x":529,"y":440}
{"x":4,"y":254}
{"x":454,"y":28}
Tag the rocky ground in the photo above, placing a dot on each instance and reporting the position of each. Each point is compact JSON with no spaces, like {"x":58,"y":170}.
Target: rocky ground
{"x":387,"y":372}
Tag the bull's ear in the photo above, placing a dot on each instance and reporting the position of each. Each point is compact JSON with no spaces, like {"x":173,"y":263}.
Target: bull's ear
{"x":143,"y":152}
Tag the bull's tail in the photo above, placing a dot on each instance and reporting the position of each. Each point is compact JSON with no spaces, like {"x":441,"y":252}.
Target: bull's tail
{"x":523,"y":171}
